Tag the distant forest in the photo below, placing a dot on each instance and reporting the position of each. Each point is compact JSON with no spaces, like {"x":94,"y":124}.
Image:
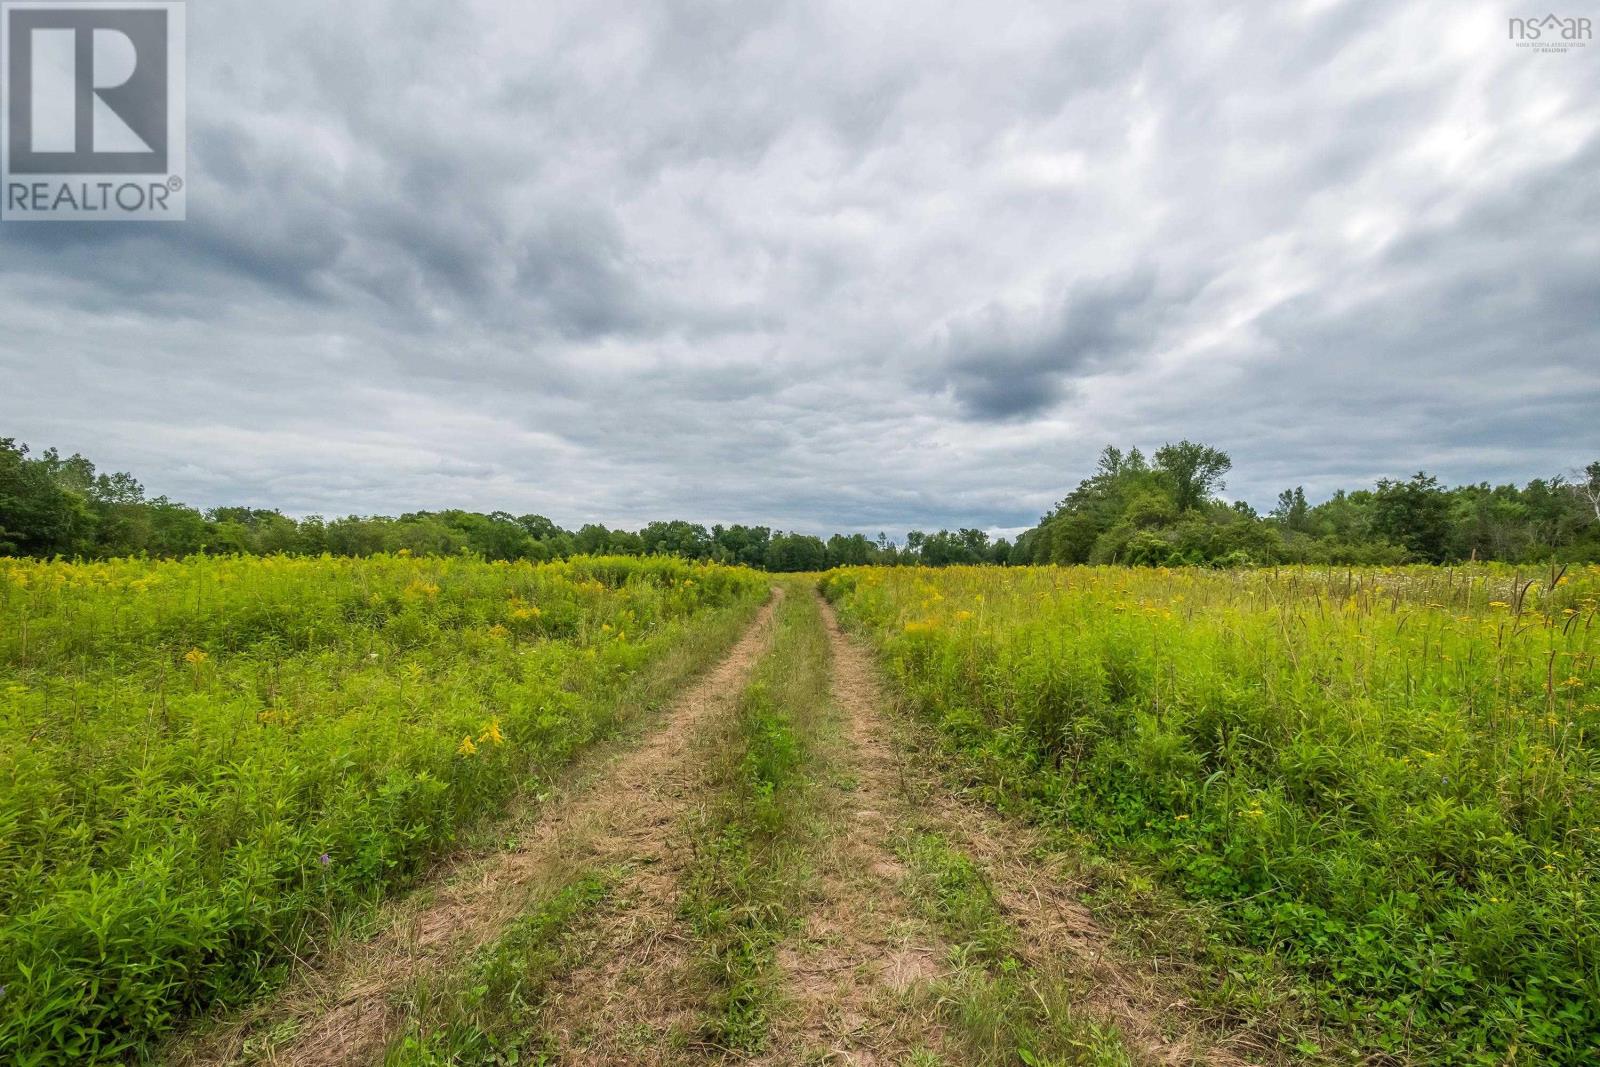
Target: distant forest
{"x":1163,"y":510}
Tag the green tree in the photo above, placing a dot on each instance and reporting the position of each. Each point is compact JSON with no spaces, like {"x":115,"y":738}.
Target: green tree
{"x":1587,"y":489}
{"x":1192,"y":472}
{"x":1292,"y":512}
{"x":1414,"y":514}
{"x":743,"y":544}
{"x":797,"y":552}
{"x":852,"y":550}
{"x":38,"y":515}
{"x":676,"y":538}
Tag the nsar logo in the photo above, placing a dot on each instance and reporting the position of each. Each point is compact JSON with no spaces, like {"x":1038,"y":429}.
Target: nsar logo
{"x":93,"y":125}
{"x":1551,"y":33}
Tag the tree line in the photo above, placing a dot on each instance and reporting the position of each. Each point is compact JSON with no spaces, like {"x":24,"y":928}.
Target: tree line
{"x":56,"y":506}
{"x":1164,"y":510}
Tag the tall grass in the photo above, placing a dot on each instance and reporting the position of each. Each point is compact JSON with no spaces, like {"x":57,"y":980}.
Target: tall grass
{"x":1387,"y":779}
{"x":201,"y":762}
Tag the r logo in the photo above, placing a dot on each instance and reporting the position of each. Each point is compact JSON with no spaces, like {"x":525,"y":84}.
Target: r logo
{"x":92,"y":90}
{"x":88,"y":92}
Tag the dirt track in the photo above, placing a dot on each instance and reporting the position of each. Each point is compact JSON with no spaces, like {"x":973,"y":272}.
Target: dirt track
{"x":862,"y":977}
{"x":621,"y":812}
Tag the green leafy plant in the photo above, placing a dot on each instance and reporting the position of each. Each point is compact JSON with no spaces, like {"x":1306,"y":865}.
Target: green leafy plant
{"x":202,"y":763}
{"x":1385,"y":780}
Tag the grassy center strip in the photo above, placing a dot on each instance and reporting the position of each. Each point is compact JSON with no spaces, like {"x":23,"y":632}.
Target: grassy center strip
{"x":750,"y":864}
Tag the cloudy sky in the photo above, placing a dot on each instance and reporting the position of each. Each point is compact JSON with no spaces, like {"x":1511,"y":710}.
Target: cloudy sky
{"x":826,"y":266}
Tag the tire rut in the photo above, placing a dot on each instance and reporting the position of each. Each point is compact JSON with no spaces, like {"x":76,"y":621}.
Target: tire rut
{"x":856,"y":975}
{"x":620,"y":813}
{"x":1058,"y":936}
{"x":631,"y":1000}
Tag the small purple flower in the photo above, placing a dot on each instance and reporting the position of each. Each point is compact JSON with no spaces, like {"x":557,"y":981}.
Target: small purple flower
{"x":324,"y":859}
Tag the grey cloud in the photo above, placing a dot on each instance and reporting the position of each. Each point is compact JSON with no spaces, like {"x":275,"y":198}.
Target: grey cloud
{"x":1004,"y":364}
{"x":827,"y":265}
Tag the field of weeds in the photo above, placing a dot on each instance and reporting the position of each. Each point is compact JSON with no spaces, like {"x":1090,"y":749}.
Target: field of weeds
{"x":204,"y":763}
{"x":1383,"y":781}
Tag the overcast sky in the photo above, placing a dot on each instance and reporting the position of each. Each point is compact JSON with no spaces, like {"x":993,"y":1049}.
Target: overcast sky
{"x":830,"y":265}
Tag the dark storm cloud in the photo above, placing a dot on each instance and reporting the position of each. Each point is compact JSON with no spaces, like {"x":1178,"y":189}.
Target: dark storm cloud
{"x":1004,"y":365}
{"x":829,"y":265}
